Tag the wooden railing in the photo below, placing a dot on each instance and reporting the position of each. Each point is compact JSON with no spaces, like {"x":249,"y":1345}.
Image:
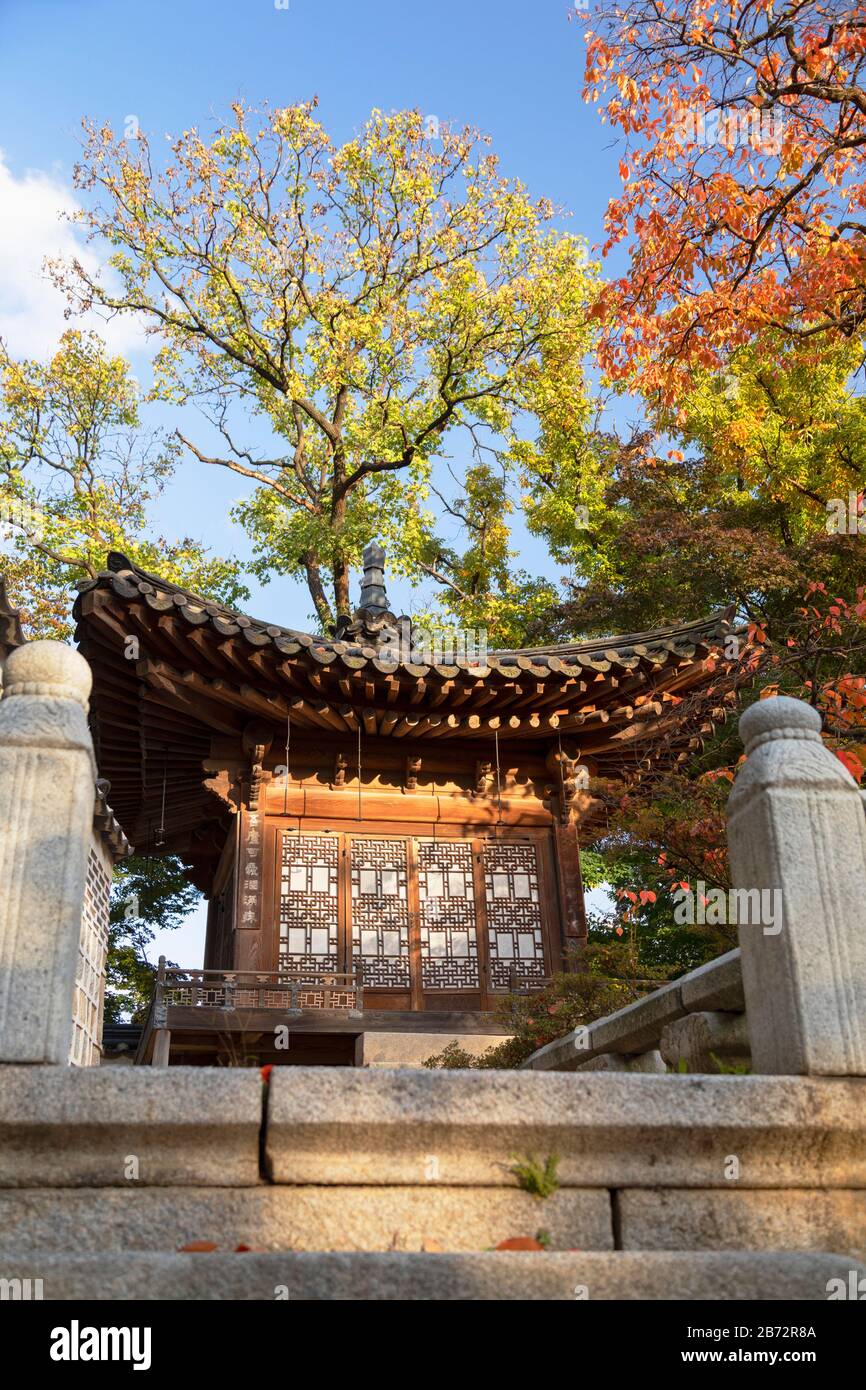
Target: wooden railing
{"x":289,"y":991}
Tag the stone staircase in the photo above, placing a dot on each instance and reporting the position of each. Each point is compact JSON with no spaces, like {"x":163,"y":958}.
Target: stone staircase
{"x":397,"y":1184}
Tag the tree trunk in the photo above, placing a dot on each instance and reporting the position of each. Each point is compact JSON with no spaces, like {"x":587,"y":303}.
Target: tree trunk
{"x":317,"y":591}
{"x":340,"y":568}
{"x":342,"y":598}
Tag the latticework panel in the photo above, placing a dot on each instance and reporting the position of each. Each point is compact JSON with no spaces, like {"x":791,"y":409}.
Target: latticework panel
{"x":513,"y":912}
{"x":308,"y":902}
{"x":380,"y":912}
{"x":327,"y":999}
{"x":196,"y":995}
{"x":449,"y":944}
{"x":86,"y":1046}
{"x":263,"y":998}
{"x":200,"y":990}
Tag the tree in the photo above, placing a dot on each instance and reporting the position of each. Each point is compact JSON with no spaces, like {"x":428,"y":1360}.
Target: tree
{"x":744,"y":129}
{"x":77,"y":478}
{"x":374,"y":304}
{"x":731,"y":497}
{"x":668,"y":832}
{"x":147,"y":895}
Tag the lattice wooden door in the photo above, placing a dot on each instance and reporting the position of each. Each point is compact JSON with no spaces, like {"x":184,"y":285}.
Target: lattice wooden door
{"x":380,"y":911}
{"x":515,"y":926}
{"x":309,"y":902}
{"x":449,"y":938}
{"x":411,"y":913}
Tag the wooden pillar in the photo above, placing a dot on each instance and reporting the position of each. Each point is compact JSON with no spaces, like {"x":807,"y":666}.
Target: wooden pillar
{"x":161,"y":1047}
{"x":253,"y":948}
{"x":572,"y":905}
{"x":161,"y":1034}
{"x":210,"y":942}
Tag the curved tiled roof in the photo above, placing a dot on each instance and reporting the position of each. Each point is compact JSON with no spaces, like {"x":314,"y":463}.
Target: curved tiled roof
{"x":173,"y":672}
{"x":602,"y":654}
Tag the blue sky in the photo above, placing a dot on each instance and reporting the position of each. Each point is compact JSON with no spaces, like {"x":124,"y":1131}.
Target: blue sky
{"x":512,"y":69}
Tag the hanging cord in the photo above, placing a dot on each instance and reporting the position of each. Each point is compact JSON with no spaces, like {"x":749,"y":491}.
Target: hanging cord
{"x":498,"y":781}
{"x":360,"y":811}
{"x":561,"y":772}
{"x":288,"y":748}
{"x":161,"y":831}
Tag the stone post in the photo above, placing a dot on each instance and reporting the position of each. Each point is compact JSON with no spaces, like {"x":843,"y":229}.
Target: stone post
{"x":47,"y":777}
{"x":796,"y":827}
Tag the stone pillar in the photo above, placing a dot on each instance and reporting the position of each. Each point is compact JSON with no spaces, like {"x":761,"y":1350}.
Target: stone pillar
{"x":703,"y":1040}
{"x":796,"y":825}
{"x":47,"y":776}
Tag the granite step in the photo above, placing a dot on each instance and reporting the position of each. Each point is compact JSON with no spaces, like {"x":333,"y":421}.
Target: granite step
{"x":439,"y":1277}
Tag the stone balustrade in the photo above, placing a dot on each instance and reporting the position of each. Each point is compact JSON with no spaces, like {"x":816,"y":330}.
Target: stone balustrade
{"x":47,"y":782}
{"x":792,"y":999}
{"x":650,"y":1034}
{"x":59,"y":842}
{"x":689,"y":1186}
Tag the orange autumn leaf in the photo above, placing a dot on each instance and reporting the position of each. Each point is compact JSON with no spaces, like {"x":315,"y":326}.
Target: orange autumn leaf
{"x":743,"y":134}
{"x":851,"y":762}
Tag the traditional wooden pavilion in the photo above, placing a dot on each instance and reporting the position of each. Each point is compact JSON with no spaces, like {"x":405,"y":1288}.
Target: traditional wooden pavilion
{"x":387,"y":844}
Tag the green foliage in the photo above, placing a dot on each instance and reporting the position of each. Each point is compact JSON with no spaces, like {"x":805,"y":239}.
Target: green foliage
{"x":385,"y":306}
{"x":537,"y":1178}
{"x":731,"y":1068}
{"x":722,"y":1068}
{"x":453,"y":1057}
{"x":603,"y":982}
{"x":723,"y":499}
{"x":147,"y":895}
{"x":78,"y":476}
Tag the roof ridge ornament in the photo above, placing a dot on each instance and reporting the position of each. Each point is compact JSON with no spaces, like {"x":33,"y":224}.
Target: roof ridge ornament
{"x":373,"y":624}
{"x":373,"y":594}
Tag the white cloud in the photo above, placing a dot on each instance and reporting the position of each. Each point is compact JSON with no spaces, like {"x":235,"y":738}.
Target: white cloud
{"x":32,"y":226}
